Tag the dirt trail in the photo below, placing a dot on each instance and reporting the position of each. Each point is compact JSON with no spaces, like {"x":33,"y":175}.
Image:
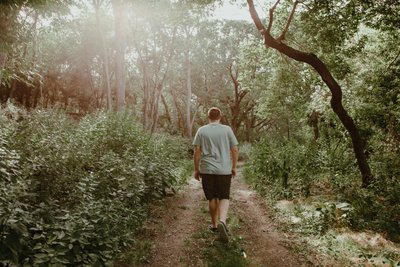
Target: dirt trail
{"x":262,"y":243}
{"x":171,"y":224}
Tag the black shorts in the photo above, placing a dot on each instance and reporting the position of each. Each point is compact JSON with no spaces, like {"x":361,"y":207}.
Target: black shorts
{"x":216,"y":186}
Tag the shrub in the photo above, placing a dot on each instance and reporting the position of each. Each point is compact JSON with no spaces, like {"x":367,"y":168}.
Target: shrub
{"x":282,"y":170}
{"x":74,"y":193}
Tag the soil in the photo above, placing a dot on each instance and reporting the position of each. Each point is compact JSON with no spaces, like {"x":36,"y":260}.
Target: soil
{"x":174,"y":222}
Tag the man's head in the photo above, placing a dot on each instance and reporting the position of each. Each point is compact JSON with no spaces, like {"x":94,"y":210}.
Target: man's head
{"x":214,"y":114}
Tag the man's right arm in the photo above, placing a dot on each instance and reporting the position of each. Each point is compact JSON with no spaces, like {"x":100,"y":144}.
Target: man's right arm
{"x":196,"y":159}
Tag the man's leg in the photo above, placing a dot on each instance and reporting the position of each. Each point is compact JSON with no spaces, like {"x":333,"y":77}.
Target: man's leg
{"x":213,"y":209}
{"x":223,"y":209}
{"x":223,"y":191}
{"x":223,"y":206}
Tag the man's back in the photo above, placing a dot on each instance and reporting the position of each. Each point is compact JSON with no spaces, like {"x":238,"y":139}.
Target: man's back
{"x":215,"y":141}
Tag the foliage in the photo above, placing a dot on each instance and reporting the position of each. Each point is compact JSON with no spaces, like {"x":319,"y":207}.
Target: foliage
{"x":244,"y":151}
{"x":359,"y":44}
{"x":74,"y":193}
{"x":282,"y":170}
{"x":295,"y":169}
{"x":322,"y":227}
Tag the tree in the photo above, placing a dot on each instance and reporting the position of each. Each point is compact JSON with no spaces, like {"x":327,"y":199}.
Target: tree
{"x":120,"y":15}
{"x":188,"y":66}
{"x":325,"y":74}
{"x":154,"y":38}
{"x":97,"y":4}
{"x":239,"y":109}
{"x":3,"y":58}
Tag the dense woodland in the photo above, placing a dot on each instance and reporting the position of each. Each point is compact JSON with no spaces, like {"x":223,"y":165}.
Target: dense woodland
{"x":100,"y":99}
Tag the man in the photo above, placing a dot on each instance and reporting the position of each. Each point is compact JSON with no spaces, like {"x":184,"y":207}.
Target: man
{"x":215,"y":159}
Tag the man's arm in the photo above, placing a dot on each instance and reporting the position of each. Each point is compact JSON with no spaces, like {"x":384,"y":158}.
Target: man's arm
{"x":235,"y":156}
{"x":196,"y":159}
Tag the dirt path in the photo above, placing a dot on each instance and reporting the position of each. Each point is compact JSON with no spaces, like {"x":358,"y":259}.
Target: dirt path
{"x":175,"y":222}
{"x":264,"y":245}
{"x":171,"y":224}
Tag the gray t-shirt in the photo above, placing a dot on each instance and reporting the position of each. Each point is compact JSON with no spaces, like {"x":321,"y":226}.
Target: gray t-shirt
{"x":215,"y":141}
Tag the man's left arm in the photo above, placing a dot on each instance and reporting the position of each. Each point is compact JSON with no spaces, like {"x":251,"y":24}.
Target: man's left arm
{"x":234,"y":150}
{"x":235,"y":157}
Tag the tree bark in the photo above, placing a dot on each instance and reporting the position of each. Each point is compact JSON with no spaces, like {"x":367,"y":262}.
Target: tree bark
{"x":323,"y":71}
{"x":104,"y":52}
{"x":179,"y":116}
{"x":167,"y":113}
{"x":189,"y":95}
{"x":237,"y":109}
{"x":155,"y":110}
{"x":120,"y":15}
{"x":3,"y":59}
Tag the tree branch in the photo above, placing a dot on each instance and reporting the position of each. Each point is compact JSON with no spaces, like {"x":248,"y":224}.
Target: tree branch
{"x":271,"y":16}
{"x":263,"y":122}
{"x":394,"y":60}
{"x":255,"y":17}
{"x":283,"y":34}
{"x":234,"y":77}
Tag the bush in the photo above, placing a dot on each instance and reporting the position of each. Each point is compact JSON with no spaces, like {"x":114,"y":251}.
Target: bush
{"x":376,"y":209}
{"x":282,"y":170}
{"x":74,"y":193}
{"x":244,"y":151}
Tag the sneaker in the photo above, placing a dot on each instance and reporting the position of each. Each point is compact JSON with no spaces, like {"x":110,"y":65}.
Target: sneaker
{"x":223,"y":232}
{"x":213,"y":229}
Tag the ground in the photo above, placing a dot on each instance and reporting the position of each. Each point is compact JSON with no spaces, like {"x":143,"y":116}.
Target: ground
{"x":179,"y":236}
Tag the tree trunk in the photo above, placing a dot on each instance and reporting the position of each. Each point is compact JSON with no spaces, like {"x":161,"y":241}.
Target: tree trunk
{"x":189,"y":95}
{"x":120,"y":15}
{"x":237,"y":112}
{"x":146,"y":96}
{"x":104,"y":53}
{"x":155,"y":113}
{"x":322,"y":70}
{"x":3,"y":59}
{"x":179,"y":117}
{"x":167,"y":113}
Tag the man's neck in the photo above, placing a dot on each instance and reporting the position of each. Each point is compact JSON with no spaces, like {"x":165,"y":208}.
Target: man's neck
{"x":216,"y":121}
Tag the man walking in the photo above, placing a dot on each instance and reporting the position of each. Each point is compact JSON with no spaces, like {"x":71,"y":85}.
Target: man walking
{"x":215,"y":159}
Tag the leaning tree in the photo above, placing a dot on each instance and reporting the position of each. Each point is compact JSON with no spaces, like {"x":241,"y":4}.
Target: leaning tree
{"x":321,"y":68}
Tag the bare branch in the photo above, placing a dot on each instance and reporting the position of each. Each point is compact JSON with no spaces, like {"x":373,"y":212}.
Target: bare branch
{"x":271,"y":15}
{"x":263,"y":122}
{"x":283,"y":34}
{"x":394,"y":60}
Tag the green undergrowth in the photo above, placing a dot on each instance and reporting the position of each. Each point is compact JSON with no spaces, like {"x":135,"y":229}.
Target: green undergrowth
{"x":217,"y":254}
{"x":326,"y":169}
{"x":312,"y":221}
{"x":138,"y":253}
{"x":317,"y":195}
{"x":74,"y":193}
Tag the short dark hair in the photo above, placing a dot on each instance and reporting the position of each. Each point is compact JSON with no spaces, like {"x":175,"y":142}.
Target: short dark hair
{"x":214,"y":114}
